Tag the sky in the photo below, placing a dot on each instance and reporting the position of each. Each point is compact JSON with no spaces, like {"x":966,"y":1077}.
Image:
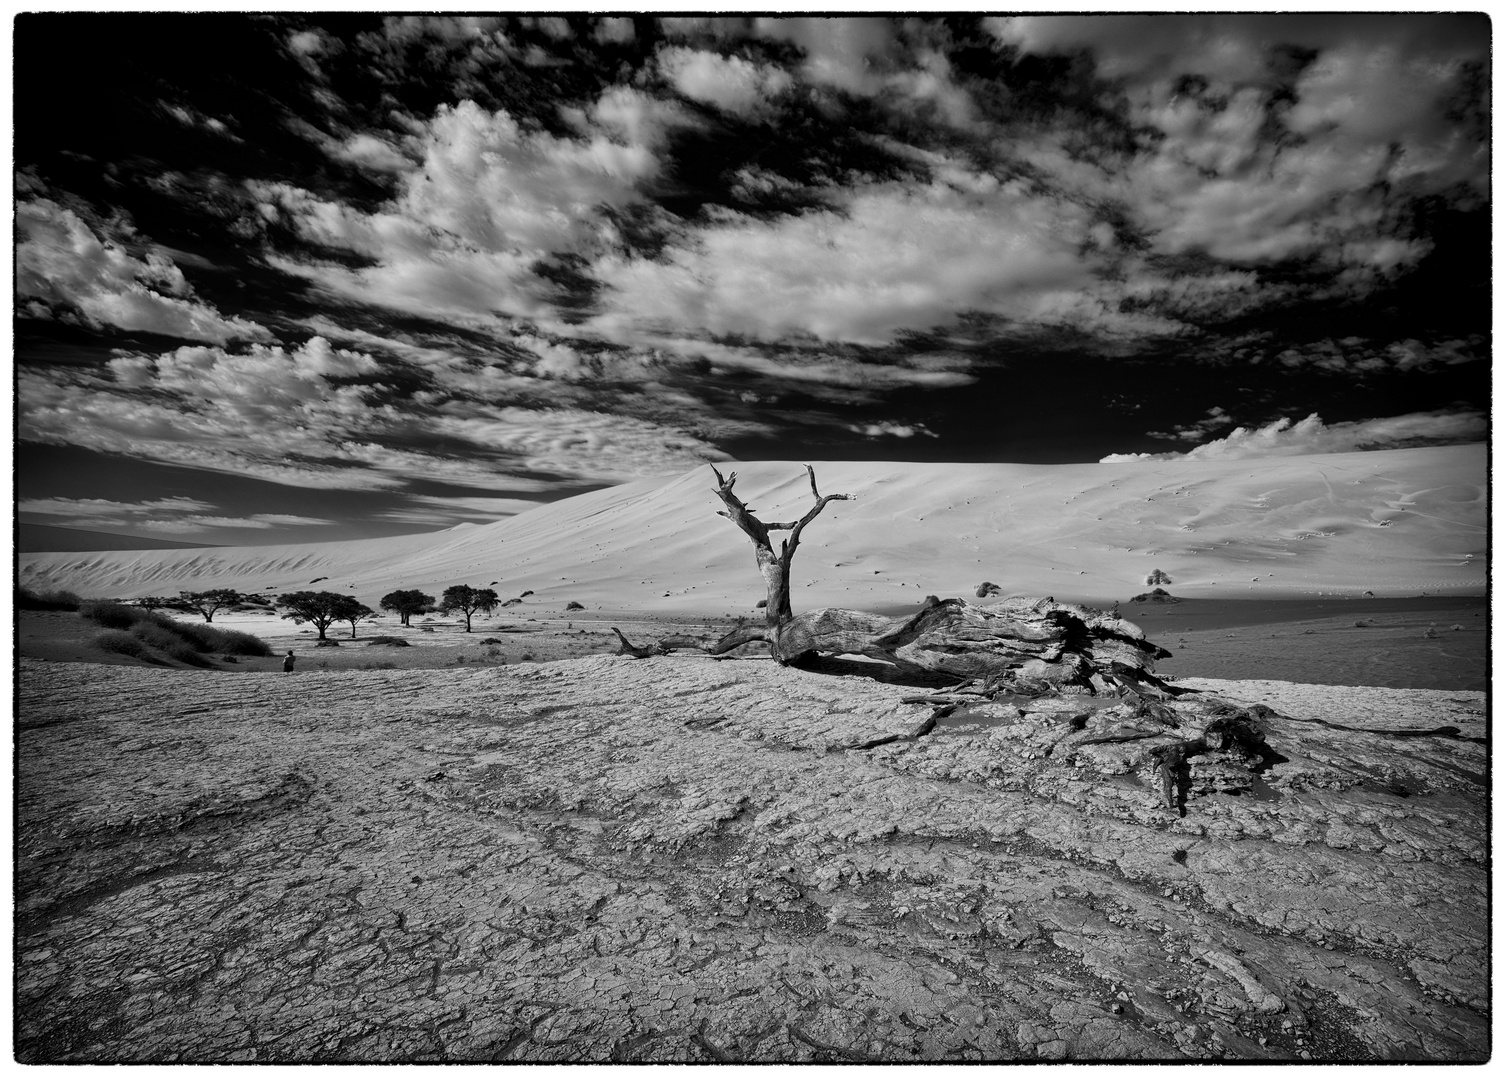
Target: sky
{"x":289,"y":277}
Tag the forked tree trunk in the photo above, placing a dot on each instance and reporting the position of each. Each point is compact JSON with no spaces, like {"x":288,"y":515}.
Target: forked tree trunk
{"x":773,"y":566}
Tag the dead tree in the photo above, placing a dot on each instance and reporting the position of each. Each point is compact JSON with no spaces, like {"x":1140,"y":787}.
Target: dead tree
{"x":774,"y":566}
{"x":1033,"y":645}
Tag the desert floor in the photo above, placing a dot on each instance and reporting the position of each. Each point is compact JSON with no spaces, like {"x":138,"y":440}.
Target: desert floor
{"x":1428,"y":642}
{"x":397,"y":854}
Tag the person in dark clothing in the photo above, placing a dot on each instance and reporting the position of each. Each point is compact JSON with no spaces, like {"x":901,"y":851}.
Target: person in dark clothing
{"x":287,"y":662}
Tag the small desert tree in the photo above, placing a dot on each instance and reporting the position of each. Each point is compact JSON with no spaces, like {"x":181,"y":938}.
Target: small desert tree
{"x":154,"y":603}
{"x":468,"y":600}
{"x":208,"y":602}
{"x":407,"y":603}
{"x":319,"y":608}
{"x":353,"y":612}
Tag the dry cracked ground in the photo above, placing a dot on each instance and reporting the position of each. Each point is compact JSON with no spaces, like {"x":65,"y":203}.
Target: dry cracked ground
{"x":687,"y":860}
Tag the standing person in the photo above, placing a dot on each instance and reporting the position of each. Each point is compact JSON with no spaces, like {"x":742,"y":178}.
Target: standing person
{"x":287,"y":662}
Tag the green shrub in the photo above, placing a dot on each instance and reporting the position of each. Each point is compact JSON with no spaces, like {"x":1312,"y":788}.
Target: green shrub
{"x":157,"y":636}
{"x":187,"y":653}
{"x":56,"y":600}
{"x":242,"y":644}
{"x":110,"y":614}
{"x":117,"y":641}
{"x":200,"y":636}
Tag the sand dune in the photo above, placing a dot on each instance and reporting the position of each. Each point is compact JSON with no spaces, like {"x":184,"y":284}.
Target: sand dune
{"x":1395,"y":522}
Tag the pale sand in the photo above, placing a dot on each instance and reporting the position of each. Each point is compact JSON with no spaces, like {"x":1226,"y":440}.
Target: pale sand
{"x":1395,"y":523}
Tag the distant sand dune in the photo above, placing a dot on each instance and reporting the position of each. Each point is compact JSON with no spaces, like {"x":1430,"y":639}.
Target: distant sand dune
{"x":1395,"y":522}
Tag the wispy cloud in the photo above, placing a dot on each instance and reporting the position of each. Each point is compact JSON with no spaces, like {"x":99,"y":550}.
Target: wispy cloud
{"x":171,"y":517}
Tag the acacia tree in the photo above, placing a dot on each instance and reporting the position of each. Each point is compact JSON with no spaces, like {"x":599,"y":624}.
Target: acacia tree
{"x":319,"y":608}
{"x":407,"y":603}
{"x":468,"y":600}
{"x":208,"y":602}
{"x":353,"y":612}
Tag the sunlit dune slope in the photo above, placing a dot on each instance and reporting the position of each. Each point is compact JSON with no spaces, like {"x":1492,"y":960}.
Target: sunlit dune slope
{"x":1394,"y":522}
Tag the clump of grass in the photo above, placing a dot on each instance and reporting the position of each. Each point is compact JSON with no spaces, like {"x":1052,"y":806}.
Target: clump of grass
{"x":493,"y":652}
{"x":385,"y":639}
{"x":460,"y":659}
{"x":55,"y":600}
{"x":491,"y":641}
{"x":118,"y":641}
{"x":528,"y":656}
{"x":326,"y":643}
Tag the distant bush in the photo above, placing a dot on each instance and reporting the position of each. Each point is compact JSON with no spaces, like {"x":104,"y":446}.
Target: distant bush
{"x":56,"y":600}
{"x":574,"y":605}
{"x":326,"y":643}
{"x":388,"y":640}
{"x":491,"y":641}
{"x":157,"y":636}
{"x":242,"y":643}
{"x":117,"y":641}
{"x":162,"y":632}
{"x":110,"y":614}
{"x":987,"y":588}
{"x":186,"y":652}
{"x":1158,"y":577}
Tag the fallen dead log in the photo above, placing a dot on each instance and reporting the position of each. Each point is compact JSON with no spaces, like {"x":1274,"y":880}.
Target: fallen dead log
{"x":1029,"y":645}
{"x":640,"y":652}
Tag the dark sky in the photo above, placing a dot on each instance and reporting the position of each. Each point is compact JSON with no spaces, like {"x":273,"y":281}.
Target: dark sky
{"x":305,"y":276}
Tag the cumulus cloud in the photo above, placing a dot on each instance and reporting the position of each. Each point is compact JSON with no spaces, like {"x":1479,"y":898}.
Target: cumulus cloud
{"x":841,"y":52}
{"x":483,"y":200}
{"x":730,"y":83}
{"x":614,"y":30}
{"x":61,"y":261}
{"x":895,"y":257}
{"x":1261,"y":158}
{"x":1282,"y":438}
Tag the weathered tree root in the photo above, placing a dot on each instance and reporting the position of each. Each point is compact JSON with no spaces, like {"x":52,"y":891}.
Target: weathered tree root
{"x":641,"y":653}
